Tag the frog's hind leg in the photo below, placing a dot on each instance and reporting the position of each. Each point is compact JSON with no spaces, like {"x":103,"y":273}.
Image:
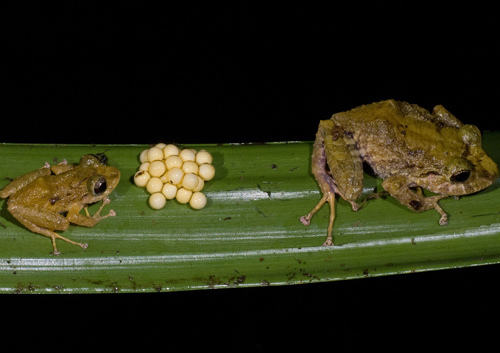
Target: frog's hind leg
{"x":330,"y":198}
{"x":326,"y":183}
{"x":336,"y":148}
{"x":54,"y":236}
{"x":18,"y":214}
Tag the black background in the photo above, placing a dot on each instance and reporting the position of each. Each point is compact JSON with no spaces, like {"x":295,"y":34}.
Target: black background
{"x":204,"y":73}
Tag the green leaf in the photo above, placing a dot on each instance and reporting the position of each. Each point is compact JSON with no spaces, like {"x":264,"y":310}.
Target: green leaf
{"x":249,"y":234}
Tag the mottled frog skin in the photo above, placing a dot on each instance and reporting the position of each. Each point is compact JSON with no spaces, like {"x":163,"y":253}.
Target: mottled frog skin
{"x":407,"y":146}
{"x":50,"y":198}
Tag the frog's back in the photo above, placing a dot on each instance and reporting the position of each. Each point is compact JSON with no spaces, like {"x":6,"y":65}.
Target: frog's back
{"x":390,"y":111}
{"x":392,"y":134}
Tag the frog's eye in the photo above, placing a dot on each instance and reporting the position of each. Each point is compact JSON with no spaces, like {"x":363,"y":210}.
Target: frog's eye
{"x":460,"y":176}
{"x":97,"y":185}
{"x":459,"y":169}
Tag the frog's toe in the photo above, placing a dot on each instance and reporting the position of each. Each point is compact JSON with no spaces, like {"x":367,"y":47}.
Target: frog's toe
{"x":328,"y":242}
{"x":84,"y":245}
{"x":305,"y":220}
{"x":443,"y":220}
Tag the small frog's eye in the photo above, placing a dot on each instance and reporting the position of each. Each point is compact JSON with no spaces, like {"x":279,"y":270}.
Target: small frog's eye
{"x":97,"y":185}
{"x":461,"y":176}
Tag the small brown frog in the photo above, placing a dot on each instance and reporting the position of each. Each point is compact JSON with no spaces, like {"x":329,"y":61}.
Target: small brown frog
{"x":407,"y":146}
{"x":50,"y":198}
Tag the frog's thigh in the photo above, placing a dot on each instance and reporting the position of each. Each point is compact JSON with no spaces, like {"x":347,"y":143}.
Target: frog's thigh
{"x":40,"y":218}
{"x":343,"y":159}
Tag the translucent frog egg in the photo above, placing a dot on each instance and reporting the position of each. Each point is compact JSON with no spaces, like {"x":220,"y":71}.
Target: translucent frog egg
{"x":157,"y":168}
{"x":141,"y":178}
{"x":198,"y":201}
{"x":206,"y":171}
{"x":143,"y":157}
{"x":155,"y":154}
{"x":204,"y":157}
{"x":173,"y":162}
{"x":157,"y":200}
{"x":190,"y":181}
{"x":187,"y":155}
{"x":154,"y":185}
{"x":170,"y":150}
{"x":144,"y":166}
{"x":201,"y":184}
{"x":190,"y":167}
{"x":174,"y":176}
{"x":183,"y":195}
{"x":169,"y":191}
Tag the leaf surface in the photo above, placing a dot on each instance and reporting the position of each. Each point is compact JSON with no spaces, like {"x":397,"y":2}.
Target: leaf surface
{"x":249,"y":234}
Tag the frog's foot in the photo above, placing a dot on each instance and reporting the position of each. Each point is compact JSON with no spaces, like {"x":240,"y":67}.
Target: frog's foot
{"x":432,"y":203}
{"x":330,"y":198}
{"x":57,"y":236}
{"x":54,"y":236}
{"x":111,"y":213}
{"x":444,"y":217}
{"x":97,"y":215}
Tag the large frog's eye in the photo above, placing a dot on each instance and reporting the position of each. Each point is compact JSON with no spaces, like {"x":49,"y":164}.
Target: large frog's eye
{"x":97,"y":185}
{"x":461,"y":176}
{"x":459,"y":169}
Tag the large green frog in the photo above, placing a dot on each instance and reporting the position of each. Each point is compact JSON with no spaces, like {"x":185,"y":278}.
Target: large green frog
{"x":407,"y":146}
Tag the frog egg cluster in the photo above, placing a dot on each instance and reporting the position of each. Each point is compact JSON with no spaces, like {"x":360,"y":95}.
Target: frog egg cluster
{"x":168,"y":173}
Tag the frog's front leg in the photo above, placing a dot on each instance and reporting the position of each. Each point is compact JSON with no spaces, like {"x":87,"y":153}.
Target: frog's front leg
{"x":87,"y":220}
{"x":399,"y":188}
{"x":335,"y":147}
